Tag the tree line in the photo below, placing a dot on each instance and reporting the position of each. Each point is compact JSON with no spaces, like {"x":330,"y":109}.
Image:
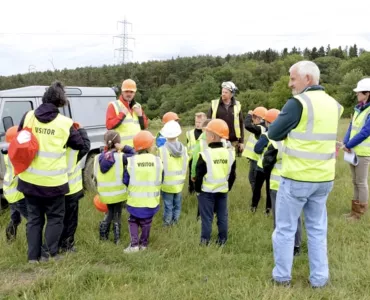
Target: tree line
{"x":187,"y":84}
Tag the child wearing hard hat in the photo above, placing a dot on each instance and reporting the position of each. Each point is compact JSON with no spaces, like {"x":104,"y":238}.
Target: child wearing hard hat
{"x":75,"y":164}
{"x":255,"y":124}
{"x":192,"y":137}
{"x":109,"y":174}
{"x":261,"y":176}
{"x":175,"y":159}
{"x":271,"y":164}
{"x":169,"y":116}
{"x":15,"y":198}
{"x":143,"y":178}
{"x":215,"y":176}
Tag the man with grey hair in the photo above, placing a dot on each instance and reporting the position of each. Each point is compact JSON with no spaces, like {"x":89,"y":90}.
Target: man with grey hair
{"x":308,"y":124}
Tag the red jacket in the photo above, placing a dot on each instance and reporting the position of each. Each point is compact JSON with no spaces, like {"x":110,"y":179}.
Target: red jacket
{"x":112,"y":121}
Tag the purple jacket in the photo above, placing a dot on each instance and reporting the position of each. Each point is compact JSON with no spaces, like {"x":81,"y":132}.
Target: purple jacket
{"x":364,"y":132}
{"x":139,"y":212}
{"x":106,"y":160}
{"x":46,"y":113}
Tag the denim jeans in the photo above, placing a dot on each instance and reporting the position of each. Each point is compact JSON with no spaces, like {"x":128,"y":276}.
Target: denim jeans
{"x":210,"y":203}
{"x":172,"y":207}
{"x":292,"y":197}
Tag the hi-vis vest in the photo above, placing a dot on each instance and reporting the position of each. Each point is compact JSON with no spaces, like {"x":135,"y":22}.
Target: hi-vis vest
{"x":249,"y":146}
{"x":49,"y":167}
{"x":174,"y":170}
{"x":74,"y":171}
{"x":145,"y":172}
{"x":219,"y":162}
{"x":358,"y":121}
{"x":130,"y":124}
{"x":10,"y":183}
{"x":110,"y":186}
{"x":275,"y":173}
{"x":260,"y":158}
{"x":237,"y":108}
{"x":191,"y":141}
{"x":309,"y":149}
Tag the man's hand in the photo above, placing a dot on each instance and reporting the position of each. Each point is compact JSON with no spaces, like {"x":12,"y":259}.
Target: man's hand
{"x":241,"y":147}
{"x":138,"y":111}
{"x":345,"y":149}
{"x":250,"y":112}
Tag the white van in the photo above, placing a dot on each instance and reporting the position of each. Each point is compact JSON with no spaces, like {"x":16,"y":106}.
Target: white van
{"x":87,"y":106}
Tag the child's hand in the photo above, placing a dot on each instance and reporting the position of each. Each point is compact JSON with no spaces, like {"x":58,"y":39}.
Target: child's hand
{"x":193,"y":179}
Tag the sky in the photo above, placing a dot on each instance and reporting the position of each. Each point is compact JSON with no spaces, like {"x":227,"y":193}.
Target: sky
{"x":41,"y":35}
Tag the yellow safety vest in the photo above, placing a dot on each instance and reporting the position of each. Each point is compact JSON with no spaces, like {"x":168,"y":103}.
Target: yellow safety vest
{"x":74,"y":171}
{"x":49,"y":167}
{"x":191,"y":141}
{"x":130,"y":124}
{"x":275,"y":173}
{"x":174,"y":170}
{"x":358,"y":122}
{"x":10,"y":183}
{"x":237,"y":109}
{"x":219,"y":162}
{"x":110,"y":186}
{"x":260,"y":158}
{"x":145,"y":172}
{"x":249,"y":146}
{"x":309,"y":149}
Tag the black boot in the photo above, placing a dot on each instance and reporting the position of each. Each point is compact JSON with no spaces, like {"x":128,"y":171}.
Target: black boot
{"x":68,"y":245}
{"x":104,"y":230}
{"x":116,"y":232}
{"x":11,"y":231}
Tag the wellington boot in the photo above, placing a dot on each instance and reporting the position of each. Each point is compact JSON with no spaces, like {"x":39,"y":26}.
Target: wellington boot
{"x":116,"y":232}
{"x":104,"y":230}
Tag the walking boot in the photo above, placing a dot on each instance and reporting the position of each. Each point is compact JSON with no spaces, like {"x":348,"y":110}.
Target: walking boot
{"x":347,"y":215}
{"x":359,"y":211}
{"x":104,"y":230}
{"x":116,"y":232}
{"x":11,"y":231}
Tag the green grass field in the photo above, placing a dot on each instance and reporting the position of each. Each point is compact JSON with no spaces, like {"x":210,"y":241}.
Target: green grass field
{"x":175,"y":267}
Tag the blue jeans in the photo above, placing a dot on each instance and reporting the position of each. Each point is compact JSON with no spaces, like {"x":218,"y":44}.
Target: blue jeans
{"x":172,"y":207}
{"x":292,"y":197}
{"x":209,"y":204}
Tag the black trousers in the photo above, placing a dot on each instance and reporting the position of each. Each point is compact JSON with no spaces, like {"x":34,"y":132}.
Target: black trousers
{"x":17,"y":210}
{"x":261,"y":177}
{"x":67,"y":239}
{"x":114,"y":213}
{"x":38,"y":208}
{"x":191,"y":187}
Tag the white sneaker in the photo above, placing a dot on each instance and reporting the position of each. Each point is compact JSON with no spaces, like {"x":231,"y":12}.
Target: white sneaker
{"x":143,"y":248}
{"x":130,"y":249}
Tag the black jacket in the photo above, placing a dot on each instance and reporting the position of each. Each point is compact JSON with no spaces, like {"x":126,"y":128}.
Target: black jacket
{"x":201,"y":171}
{"x":252,"y":128}
{"x":46,"y":113}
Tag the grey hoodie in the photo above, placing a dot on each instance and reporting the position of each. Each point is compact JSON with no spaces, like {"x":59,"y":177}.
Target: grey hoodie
{"x":176,"y":148}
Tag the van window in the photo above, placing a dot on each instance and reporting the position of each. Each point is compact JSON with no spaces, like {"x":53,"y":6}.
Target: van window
{"x":90,"y":111}
{"x":16,"y":110}
{"x":65,"y":110}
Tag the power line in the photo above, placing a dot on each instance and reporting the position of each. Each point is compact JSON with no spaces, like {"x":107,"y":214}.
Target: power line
{"x":124,"y":37}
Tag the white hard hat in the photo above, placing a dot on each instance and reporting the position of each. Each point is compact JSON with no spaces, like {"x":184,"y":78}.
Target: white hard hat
{"x":363,"y":85}
{"x":171,"y":129}
{"x":229,"y":85}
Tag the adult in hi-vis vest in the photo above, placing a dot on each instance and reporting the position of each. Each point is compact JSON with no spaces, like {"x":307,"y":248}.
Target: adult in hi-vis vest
{"x":308,"y":124}
{"x":125,"y":115}
{"x":229,"y":109}
{"x":45,"y":182}
{"x":357,"y":140}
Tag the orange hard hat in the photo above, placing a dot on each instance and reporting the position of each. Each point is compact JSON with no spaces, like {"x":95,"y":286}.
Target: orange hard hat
{"x":143,"y":140}
{"x":11,"y":133}
{"x":271,"y":115}
{"x":260,"y":111}
{"x":169,"y":116}
{"x":219,"y":127}
{"x":100,"y":206}
{"x":128,"y":85}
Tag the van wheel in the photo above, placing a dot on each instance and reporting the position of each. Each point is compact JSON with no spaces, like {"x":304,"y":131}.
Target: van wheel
{"x":88,"y":174}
